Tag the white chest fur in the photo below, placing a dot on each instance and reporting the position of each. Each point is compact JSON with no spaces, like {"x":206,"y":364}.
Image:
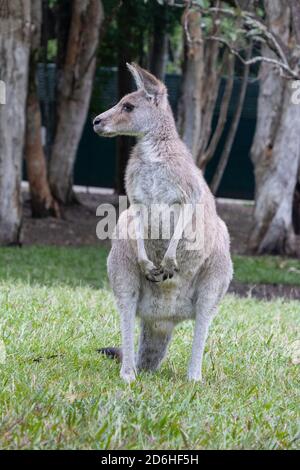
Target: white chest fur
{"x":150,"y":178}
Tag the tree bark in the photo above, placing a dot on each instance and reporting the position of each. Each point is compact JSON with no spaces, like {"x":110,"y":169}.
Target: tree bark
{"x":276,"y":149}
{"x":42,"y":201}
{"x":210,"y":90}
{"x":200,"y":85}
{"x":14,"y":60}
{"x":74,"y":94}
{"x":206,"y":156}
{"x":190,"y":103}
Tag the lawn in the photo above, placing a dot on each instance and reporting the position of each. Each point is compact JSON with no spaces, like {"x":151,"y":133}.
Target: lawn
{"x":56,"y":391}
{"x":267,"y":270}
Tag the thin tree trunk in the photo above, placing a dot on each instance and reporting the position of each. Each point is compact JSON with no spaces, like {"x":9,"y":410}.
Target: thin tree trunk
{"x":276,"y":149}
{"x":190,"y":104}
{"x":200,"y":85}
{"x":159,"y":50}
{"x":74,"y":94}
{"x":210,"y":89}
{"x":215,"y":139}
{"x":219,"y":173}
{"x":42,"y":201}
{"x":125,"y":39}
{"x":14,"y":60}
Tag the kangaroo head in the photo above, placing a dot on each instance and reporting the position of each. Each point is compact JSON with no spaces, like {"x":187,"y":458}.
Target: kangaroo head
{"x":138,"y":112}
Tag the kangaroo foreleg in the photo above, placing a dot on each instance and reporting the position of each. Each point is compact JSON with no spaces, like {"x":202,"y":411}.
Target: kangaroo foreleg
{"x":169,"y":263}
{"x":149,"y":270}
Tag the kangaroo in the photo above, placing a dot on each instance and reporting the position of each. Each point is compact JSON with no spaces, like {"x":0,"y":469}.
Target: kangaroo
{"x":162,"y":281}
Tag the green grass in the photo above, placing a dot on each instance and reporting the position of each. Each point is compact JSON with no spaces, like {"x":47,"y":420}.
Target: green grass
{"x":267,"y":270}
{"x":57,"y":392}
{"x":87,"y":265}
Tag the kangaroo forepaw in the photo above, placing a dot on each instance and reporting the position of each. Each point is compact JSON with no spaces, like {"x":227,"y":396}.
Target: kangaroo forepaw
{"x":155,"y":275}
{"x":166,"y":271}
{"x":150,"y":271}
{"x":169,"y":267}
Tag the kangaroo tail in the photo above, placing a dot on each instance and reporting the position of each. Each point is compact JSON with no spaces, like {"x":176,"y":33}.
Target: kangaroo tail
{"x":113,"y":353}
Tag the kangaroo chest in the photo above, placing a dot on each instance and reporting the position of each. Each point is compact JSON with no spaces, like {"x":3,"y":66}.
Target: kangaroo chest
{"x":151,"y":183}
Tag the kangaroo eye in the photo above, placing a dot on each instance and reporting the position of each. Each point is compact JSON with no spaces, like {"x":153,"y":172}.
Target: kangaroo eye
{"x":128,"y":107}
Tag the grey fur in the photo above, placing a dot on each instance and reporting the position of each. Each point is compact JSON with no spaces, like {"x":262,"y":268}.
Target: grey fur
{"x":160,"y":281}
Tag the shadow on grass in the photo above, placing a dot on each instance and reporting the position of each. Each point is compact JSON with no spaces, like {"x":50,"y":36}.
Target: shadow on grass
{"x":54,"y":266}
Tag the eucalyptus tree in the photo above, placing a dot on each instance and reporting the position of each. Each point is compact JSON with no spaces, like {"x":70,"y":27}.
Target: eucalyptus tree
{"x":276,"y":146}
{"x":273,"y":26}
{"x":74,"y":92}
{"x":42,"y":201}
{"x":206,"y":62}
{"x":15,"y":31}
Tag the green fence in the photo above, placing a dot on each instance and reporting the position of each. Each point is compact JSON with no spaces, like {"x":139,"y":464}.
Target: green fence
{"x":96,"y":157}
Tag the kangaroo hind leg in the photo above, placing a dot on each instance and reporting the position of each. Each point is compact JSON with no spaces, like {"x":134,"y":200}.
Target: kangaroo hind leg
{"x":125,"y":282}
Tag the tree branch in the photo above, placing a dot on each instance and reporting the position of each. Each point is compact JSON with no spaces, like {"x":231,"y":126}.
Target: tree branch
{"x":254,"y":26}
{"x":290,"y":73}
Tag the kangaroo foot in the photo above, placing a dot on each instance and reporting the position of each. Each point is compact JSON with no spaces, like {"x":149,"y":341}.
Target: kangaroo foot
{"x":128,"y":374}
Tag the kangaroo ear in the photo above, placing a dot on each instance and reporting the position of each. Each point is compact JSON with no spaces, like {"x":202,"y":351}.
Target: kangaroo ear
{"x":136,"y":75}
{"x":153,"y":87}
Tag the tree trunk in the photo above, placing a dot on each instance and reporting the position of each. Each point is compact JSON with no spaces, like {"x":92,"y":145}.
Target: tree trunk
{"x":206,"y":156}
{"x":276,"y":150}
{"x":200,"y":85}
{"x":219,"y":173}
{"x":190,"y":104}
{"x":210,"y":90}
{"x":14,"y":59}
{"x":125,"y":40}
{"x":159,"y":50}
{"x":42,"y":202}
{"x":74,"y":94}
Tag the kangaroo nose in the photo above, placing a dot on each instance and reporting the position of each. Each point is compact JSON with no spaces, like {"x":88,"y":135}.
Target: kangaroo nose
{"x":97,"y":121}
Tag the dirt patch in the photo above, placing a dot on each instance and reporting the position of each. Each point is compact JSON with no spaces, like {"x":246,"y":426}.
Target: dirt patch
{"x":239,"y":219}
{"x":77,"y":227}
{"x":78,"y":224}
{"x":265,"y":291}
